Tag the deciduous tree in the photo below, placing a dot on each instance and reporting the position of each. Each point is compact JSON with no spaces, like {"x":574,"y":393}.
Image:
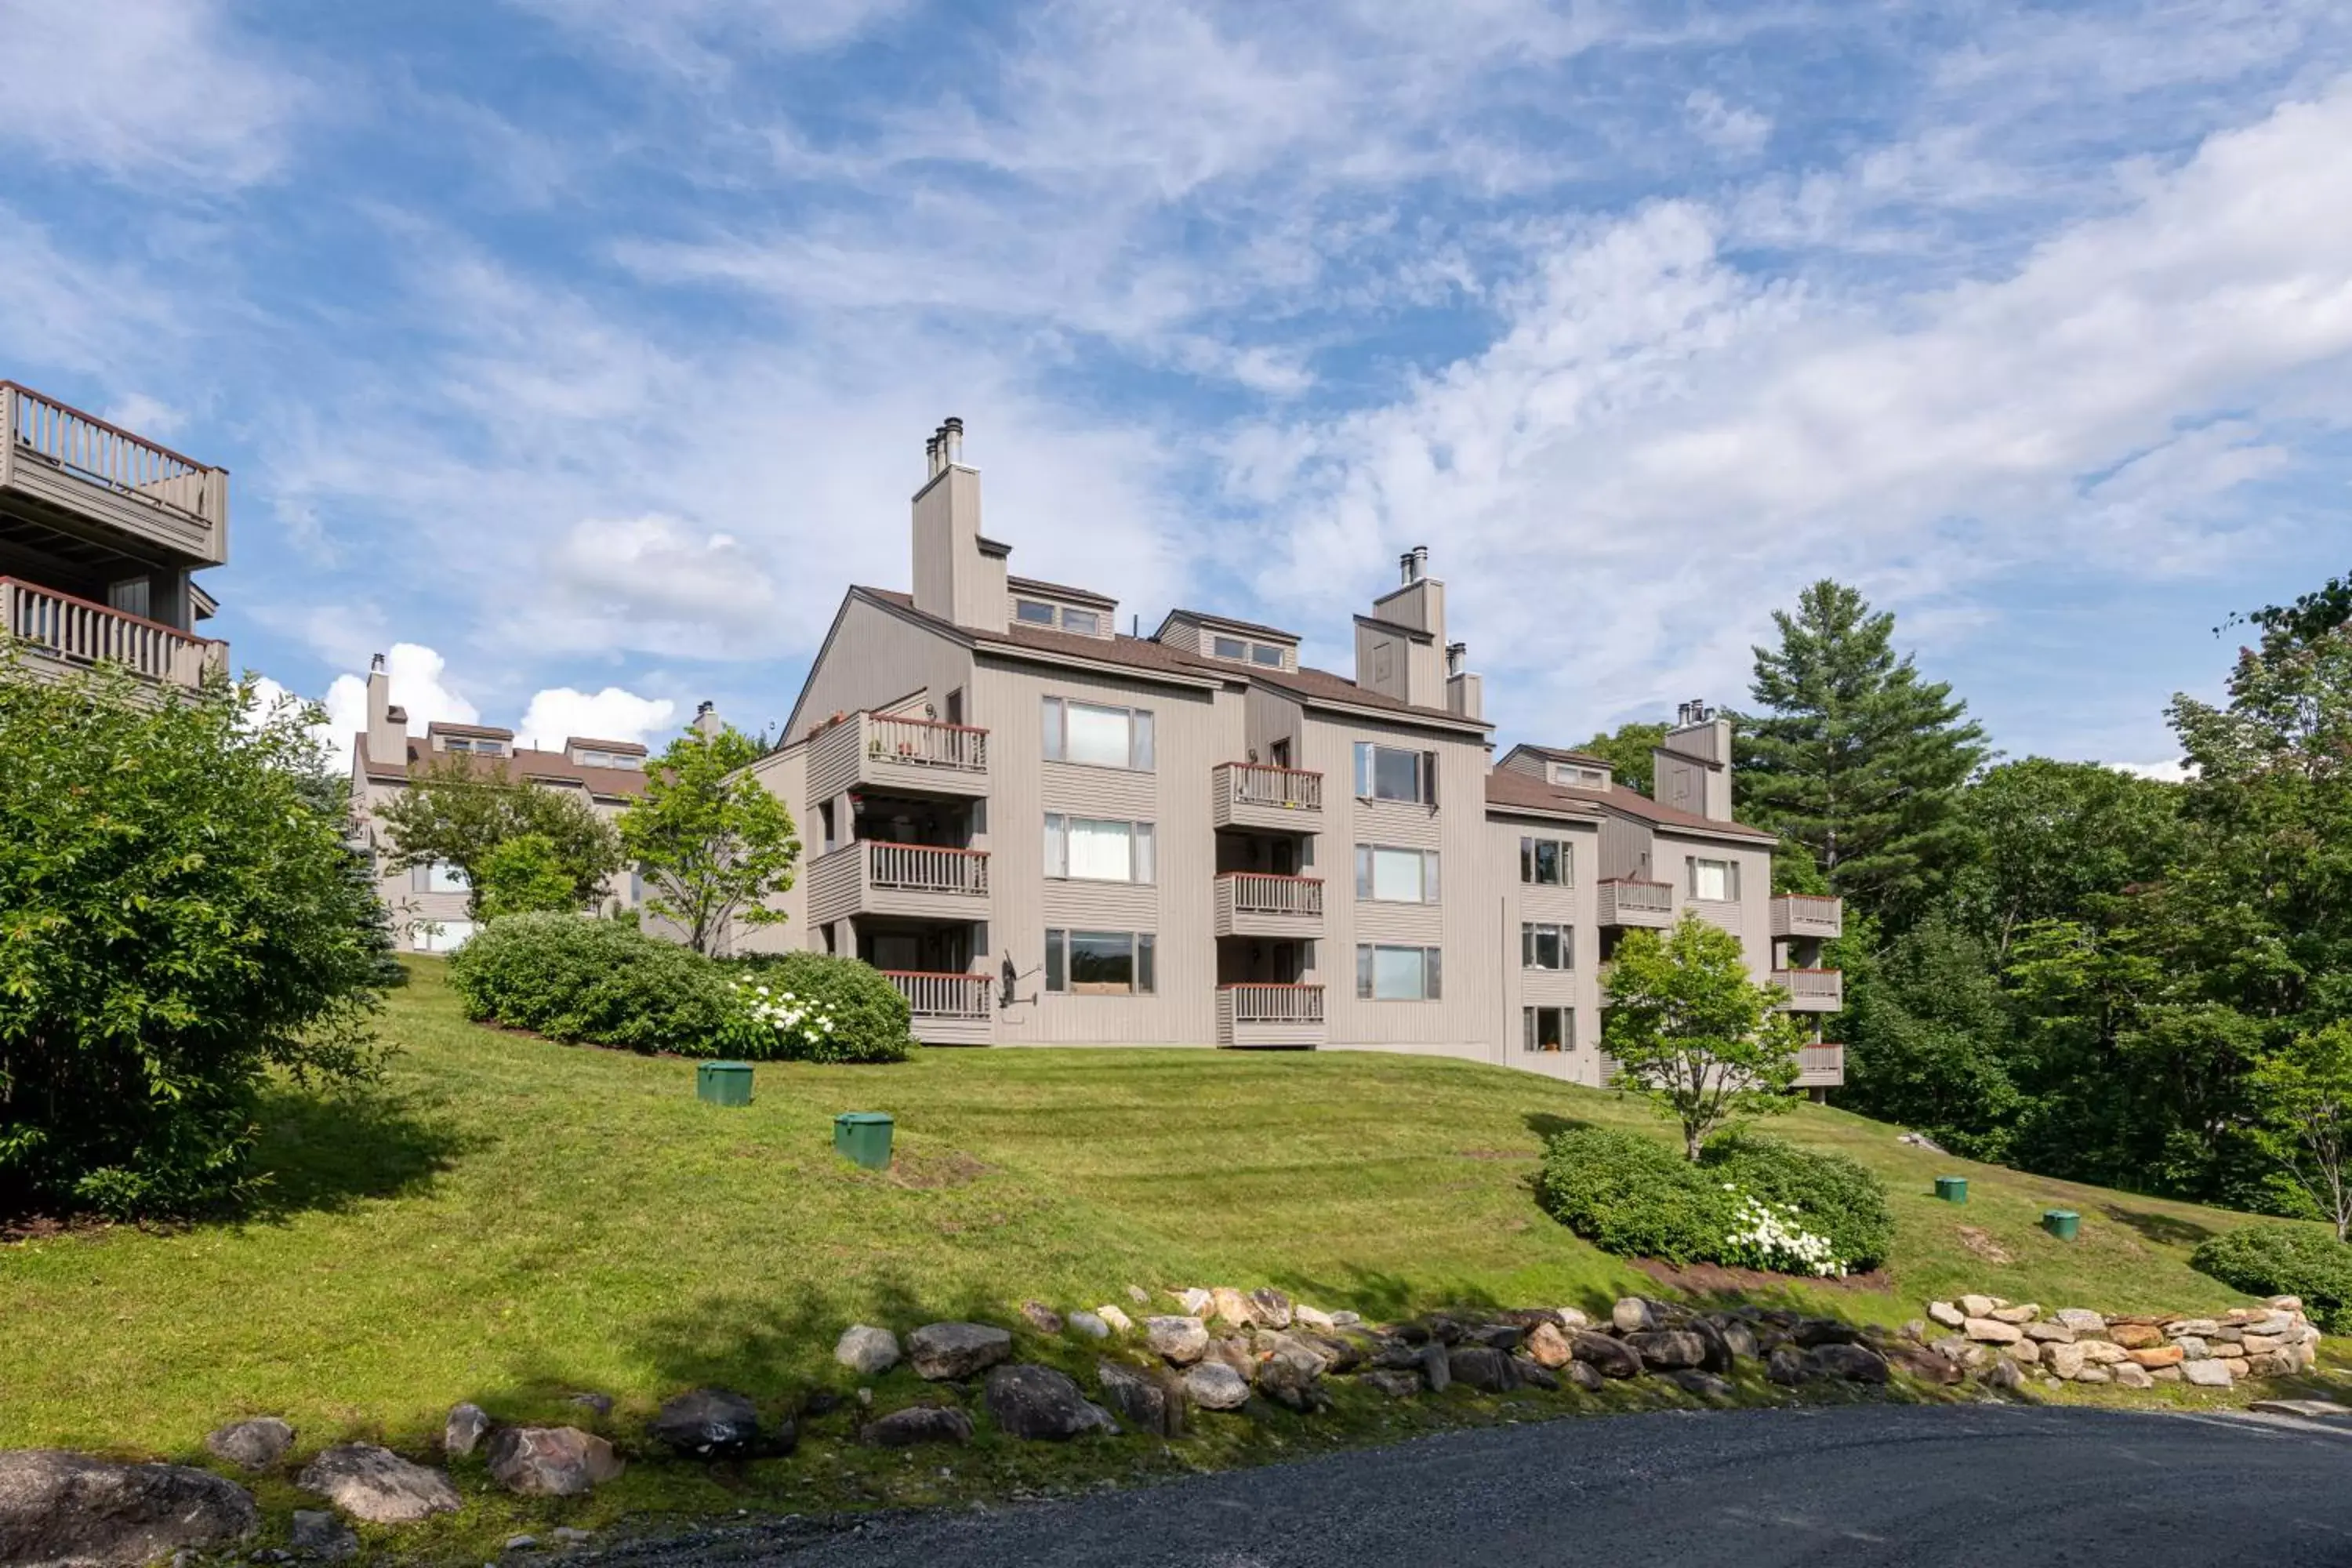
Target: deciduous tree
{"x":1690,"y":1031}
{"x":459,"y":810}
{"x":713,"y":843}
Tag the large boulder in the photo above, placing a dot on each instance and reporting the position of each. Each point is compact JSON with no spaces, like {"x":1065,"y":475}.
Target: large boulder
{"x":464,"y":1431}
{"x":317,"y":1534}
{"x":939,"y":1351}
{"x":1213,"y":1385}
{"x":1437,"y":1367}
{"x":1981,"y":1306}
{"x":254,"y":1444}
{"x":1089,"y":1325}
{"x":1705,"y":1385}
{"x":1037,"y":1401}
{"x":1179,"y":1340}
{"x":2208,"y":1374}
{"x":1548,"y":1346}
{"x":2021,"y":1314}
{"x":1117,"y":1321}
{"x":2050,"y":1334}
{"x":1482,"y":1367}
{"x":550,"y":1461}
{"x":377,"y":1486}
{"x":1395,"y":1385}
{"x":1584,"y":1376}
{"x":1041,"y":1317}
{"x":1610,"y":1358}
{"x":2155,"y":1356}
{"x":2065,"y":1361}
{"x":1854,"y":1363}
{"x":708,"y":1423}
{"x":2003,"y":1374}
{"x":1788,"y":1366}
{"x":1147,"y":1399}
{"x":916,"y":1424}
{"x":1632,"y":1315}
{"x":2082,"y":1320}
{"x":2135,"y":1336}
{"x":1738,"y":1338}
{"x":1230,"y":1306}
{"x":2131,"y":1375}
{"x":1288,"y":1377}
{"x":1991,"y":1331}
{"x":1268,"y":1308}
{"x":1668,"y":1349}
{"x":1946,"y":1313}
{"x":866,"y":1350}
{"x":60,"y":1509}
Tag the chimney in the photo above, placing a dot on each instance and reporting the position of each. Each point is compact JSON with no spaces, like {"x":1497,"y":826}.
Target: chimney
{"x":387,"y":736}
{"x":1464,"y":692}
{"x":1691,"y":768}
{"x":706,"y":722}
{"x":1410,"y":669}
{"x":955,"y":579}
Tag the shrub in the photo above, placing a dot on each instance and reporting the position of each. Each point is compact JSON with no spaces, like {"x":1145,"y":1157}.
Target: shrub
{"x":574,"y":978}
{"x":869,"y":1017}
{"x":1831,"y":1195}
{"x":1634,"y":1197}
{"x":2284,"y":1260}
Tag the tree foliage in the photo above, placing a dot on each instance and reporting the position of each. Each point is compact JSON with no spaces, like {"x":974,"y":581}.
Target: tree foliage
{"x":2303,"y":1092}
{"x":1689,"y":1030}
{"x":180,"y":915}
{"x":1627,"y":751}
{"x":524,"y":875}
{"x":459,"y":810}
{"x":713,"y":842}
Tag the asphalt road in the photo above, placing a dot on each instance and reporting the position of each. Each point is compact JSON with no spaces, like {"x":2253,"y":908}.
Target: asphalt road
{"x":1986,"y":1485}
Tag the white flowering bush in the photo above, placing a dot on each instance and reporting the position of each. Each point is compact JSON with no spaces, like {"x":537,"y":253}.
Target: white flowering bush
{"x":817,"y":1008}
{"x":777,"y":1024}
{"x":1769,"y":1235}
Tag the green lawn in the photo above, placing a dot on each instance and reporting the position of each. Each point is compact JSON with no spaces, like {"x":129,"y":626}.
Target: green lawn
{"x":508,"y":1221}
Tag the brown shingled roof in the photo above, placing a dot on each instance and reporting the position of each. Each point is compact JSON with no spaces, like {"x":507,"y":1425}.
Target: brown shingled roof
{"x":525,"y":763}
{"x":1253,"y":627}
{"x":1508,"y":787}
{"x":1561,"y":754}
{"x":1062,"y":590}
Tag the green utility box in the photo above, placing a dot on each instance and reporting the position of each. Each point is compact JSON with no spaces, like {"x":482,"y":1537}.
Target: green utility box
{"x":2063,"y":1224}
{"x":863,"y":1137}
{"x":723,"y":1083}
{"x":1952,"y":1189}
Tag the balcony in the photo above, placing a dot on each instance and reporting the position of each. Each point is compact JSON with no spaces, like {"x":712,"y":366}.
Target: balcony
{"x":947,"y":1009}
{"x":1807,"y":915}
{"x":1253,"y":794}
{"x":59,"y":632}
{"x":873,"y":877}
{"x":1812,"y":990}
{"x":1253,"y":903}
{"x":897,"y":755}
{"x":1820,"y":1066}
{"x":1626,"y":902}
{"x":79,"y":475}
{"x":1281,"y":1016}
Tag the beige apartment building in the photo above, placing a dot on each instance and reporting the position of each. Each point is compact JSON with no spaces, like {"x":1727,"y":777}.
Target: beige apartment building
{"x":1046,"y":831}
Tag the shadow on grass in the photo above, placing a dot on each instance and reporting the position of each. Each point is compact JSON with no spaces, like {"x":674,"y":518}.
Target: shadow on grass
{"x":2164,"y":1230}
{"x":322,"y":1152}
{"x":1544,"y":1124}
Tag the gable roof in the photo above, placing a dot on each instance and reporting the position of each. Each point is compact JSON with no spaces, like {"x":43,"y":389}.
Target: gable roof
{"x":1062,"y":590}
{"x":1227,"y":623}
{"x":550,"y":767}
{"x":1510,"y":787}
{"x":1560,"y":754}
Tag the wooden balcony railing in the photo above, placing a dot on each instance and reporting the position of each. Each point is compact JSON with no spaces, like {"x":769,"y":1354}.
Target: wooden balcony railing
{"x":90,"y":448}
{"x":1285,"y":789}
{"x":932,"y":995}
{"x":79,"y":632}
{"x":1260,"y":893}
{"x":926,"y":868}
{"x":1811,"y":988}
{"x":1260,"y":1003}
{"x":922,"y":743}
{"x":1626,"y":902}
{"x":1808,"y":915}
{"x":1820,"y":1061}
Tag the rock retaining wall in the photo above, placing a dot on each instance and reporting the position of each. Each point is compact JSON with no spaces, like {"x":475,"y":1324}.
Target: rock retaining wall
{"x":2075,"y":1345}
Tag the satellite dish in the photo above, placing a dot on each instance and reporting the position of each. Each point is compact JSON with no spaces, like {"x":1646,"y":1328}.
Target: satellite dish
{"x":1007,"y":978}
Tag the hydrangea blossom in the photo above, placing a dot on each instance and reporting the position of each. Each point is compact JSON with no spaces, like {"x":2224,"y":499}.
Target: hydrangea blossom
{"x":1767,"y":1235}
{"x":796,"y":1023}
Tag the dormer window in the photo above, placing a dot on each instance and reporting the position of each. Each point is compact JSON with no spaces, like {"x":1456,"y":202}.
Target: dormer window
{"x":1036,"y":612}
{"x":1086,"y":622}
{"x":1569,"y":775}
{"x":477,"y":747}
{"x":1239,"y":651}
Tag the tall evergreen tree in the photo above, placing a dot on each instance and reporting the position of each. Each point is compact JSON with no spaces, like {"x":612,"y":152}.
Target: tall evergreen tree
{"x":1854,"y":756}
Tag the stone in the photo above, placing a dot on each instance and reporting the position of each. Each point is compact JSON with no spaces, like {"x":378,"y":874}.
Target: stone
{"x":866,"y":1350}
{"x":708,"y":1423}
{"x":2310,"y":1409}
{"x":1042,"y":1318}
{"x":1531,"y":1375}
{"x":254,"y":1444}
{"x":2095,"y":1374}
{"x":1571,"y":1318}
{"x":1395,"y":1385}
{"x":1195,"y":1301}
{"x":1854,"y":1363}
{"x":1611,"y":1358}
{"x":1915,"y":1329}
{"x":1810,"y":1332}
{"x":2228,"y":1334}
{"x":1669,"y":1348}
{"x":1739,"y":1340}
{"x":1213,"y":1385}
{"x":2130,"y":1374}
{"x":1230,"y":1304}
{"x":1090,"y":1325}
{"x":2081,"y":1319}
{"x":2135,"y":1336}
{"x":941,"y":1351}
{"x":1139,"y":1294}
{"x":1547,"y":1346}
{"x":2050,"y":1334}
{"x":1347,"y":1320}
{"x":1436,"y":1368}
{"x":1927,"y":1365}
{"x":1632,"y":1315}
{"x":1953,"y":1348}
{"x":2285,"y":1303}
{"x":2020,"y":1315}
{"x":2025,"y":1353}
{"x":1288,"y":1376}
{"x":1268,"y":1308}
{"x":550,"y":1461}
{"x":521,"y":1543}
{"x":1946,"y":1313}
{"x":377,"y":1486}
{"x":1313,"y":1318}
{"x":1495,"y":1336}
{"x":1233,"y":1354}
{"x":2067,"y":1360}
{"x":2102,"y":1352}
{"x":2004,"y":1375}
{"x":916,"y":1424}
{"x":1339,"y":1354}
{"x":2185,"y":1328}
{"x":64,"y":1508}
{"x":1788,"y":1366}
{"x":2166,"y":1375}
{"x":1980,"y":1306}
{"x":1179,"y":1340}
{"x":1119,"y":1322}
{"x":2154,"y":1356}
{"x":463,"y":1432}
{"x":317,"y":1533}
{"x":2261,"y":1344}
{"x":600,"y":1405}
{"x":1705,"y":1385}
{"x":571,"y":1535}
{"x":1482,"y":1367}
{"x":2192,"y":1348}
{"x":1583,"y":1375}
{"x":1039,"y":1402}
{"x":1991,"y":1332}
{"x":1146,"y":1398}
{"x":2274,"y":1363}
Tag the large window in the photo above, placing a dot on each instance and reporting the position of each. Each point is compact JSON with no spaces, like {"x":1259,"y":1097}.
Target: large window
{"x":1548,"y":1028}
{"x":1099,"y":963}
{"x":1717,"y":882}
{"x":1267,"y":654}
{"x":1095,"y":850}
{"x":1099,"y":736}
{"x":1397,"y":973}
{"x":1391,"y":773}
{"x":437,"y":877}
{"x":1396,"y":876}
{"x":1546,"y":947}
{"x":1546,"y":862}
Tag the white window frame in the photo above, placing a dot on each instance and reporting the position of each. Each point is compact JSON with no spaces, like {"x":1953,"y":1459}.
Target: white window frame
{"x":1730,"y":869}
{"x":1140,"y":733}
{"x":1529,"y":1030}
{"x":1143,"y":856}
{"x":1142,"y":962}
{"x":1267,"y":654}
{"x":1085,"y":623}
{"x":1022,"y":612}
{"x":1532,"y":933}
{"x":1367,"y":775}
{"x":1223,"y":646}
{"x":1368,"y":873}
{"x":1433,"y":972}
{"x":1530,"y":849}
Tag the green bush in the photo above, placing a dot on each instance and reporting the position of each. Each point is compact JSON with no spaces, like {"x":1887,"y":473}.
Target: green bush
{"x":1633,"y":1196}
{"x":871,"y":1021}
{"x":572,"y":978}
{"x":2284,"y":1260}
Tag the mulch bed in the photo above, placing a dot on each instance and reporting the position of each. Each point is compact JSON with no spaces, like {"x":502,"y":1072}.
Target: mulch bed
{"x":1716,"y":1279}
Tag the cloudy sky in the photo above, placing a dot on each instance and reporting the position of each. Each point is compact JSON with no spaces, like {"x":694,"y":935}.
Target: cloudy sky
{"x":580,"y":350}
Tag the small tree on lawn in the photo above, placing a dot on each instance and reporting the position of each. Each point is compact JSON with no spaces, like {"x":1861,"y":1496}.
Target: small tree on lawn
{"x":2304,"y":1097}
{"x":458,"y":811}
{"x":713,"y":843}
{"x":1690,"y":1031}
{"x":523,"y":876}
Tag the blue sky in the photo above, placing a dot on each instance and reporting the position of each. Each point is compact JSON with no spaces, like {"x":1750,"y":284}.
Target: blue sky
{"x":587,"y":350}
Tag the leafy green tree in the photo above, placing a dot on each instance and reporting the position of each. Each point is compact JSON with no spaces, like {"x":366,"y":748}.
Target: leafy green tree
{"x":2305,"y":1095}
{"x":1854,"y":757}
{"x":1692,"y":1033}
{"x":712,"y":841}
{"x":2051,"y":838}
{"x":1627,"y":753}
{"x":459,"y":810}
{"x":525,"y":875}
{"x":180,"y":916}
{"x":1928,"y":1040}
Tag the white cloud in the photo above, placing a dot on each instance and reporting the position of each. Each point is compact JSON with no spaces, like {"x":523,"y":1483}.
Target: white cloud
{"x":654,"y":567}
{"x":560,"y":714}
{"x":2173,"y":772}
{"x":418,"y":683}
{"x":1725,"y":126}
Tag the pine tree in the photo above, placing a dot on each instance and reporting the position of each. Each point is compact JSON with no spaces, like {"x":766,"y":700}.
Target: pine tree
{"x":1854,"y":757}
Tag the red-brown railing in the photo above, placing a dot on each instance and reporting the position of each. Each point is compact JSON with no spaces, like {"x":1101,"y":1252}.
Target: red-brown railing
{"x":924,"y":743}
{"x":80,"y":632}
{"x":1285,"y":789}
{"x":930,"y":995}
{"x":926,"y":868}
